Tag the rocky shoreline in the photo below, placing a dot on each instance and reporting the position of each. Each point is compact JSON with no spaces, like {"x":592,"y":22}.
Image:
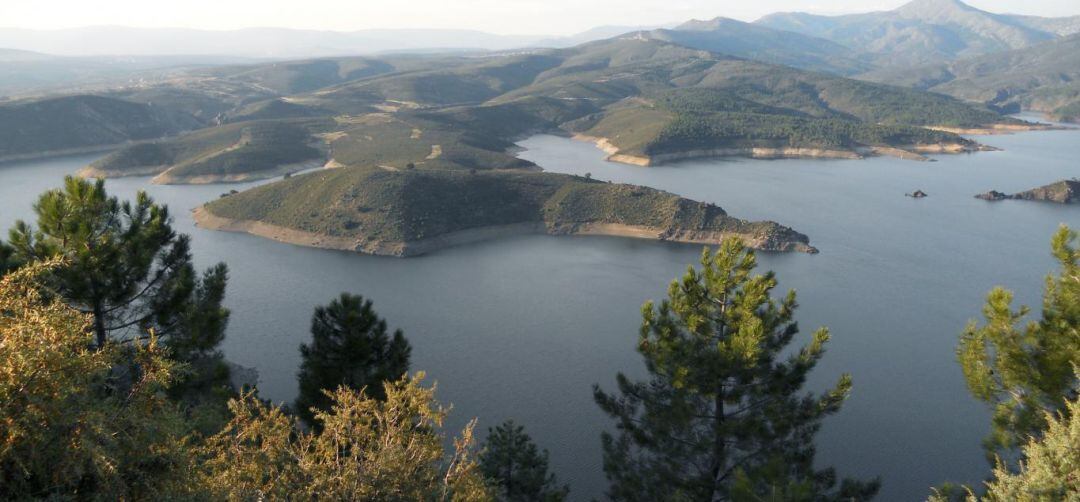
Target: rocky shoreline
{"x":162,"y":177}
{"x":1061,"y":192}
{"x":906,"y":152}
{"x":995,"y":129}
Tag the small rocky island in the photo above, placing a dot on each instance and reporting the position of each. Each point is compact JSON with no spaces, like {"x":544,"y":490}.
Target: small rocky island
{"x":1061,"y":192}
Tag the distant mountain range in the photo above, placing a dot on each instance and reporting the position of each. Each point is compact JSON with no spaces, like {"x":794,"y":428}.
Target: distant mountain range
{"x":926,"y":31}
{"x":1007,"y":61}
{"x":277,"y":43}
{"x":1044,"y":78}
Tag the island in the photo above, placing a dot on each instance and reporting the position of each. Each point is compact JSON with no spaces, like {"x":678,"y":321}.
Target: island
{"x":412,"y":212}
{"x":1061,"y":192}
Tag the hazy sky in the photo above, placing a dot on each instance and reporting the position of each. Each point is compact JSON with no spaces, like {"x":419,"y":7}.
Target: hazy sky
{"x":497,"y":16}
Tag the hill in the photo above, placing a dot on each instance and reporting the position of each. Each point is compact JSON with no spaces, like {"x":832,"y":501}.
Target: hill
{"x":404,"y":213}
{"x":233,"y":152}
{"x":920,"y":32}
{"x":652,"y":101}
{"x":70,"y":124}
{"x":1041,"y":78}
{"x":761,"y":43}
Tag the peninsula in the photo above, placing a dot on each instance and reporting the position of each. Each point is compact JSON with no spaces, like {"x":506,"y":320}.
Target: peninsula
{"x":412,"y":212}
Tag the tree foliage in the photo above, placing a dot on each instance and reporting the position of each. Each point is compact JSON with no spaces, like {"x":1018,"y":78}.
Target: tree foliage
{"x":1051,"y":469}
{"x":350,"y":347}
{"x":125,"y":266}
{"x":367,"y":449}
{"x":1026,"y":371}
{"x":511,"y":460}
{"x":721,"y":416}
{"x":78,"y":422}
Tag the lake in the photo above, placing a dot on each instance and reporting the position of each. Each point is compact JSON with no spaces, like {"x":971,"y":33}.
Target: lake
{"x":523,"y":327}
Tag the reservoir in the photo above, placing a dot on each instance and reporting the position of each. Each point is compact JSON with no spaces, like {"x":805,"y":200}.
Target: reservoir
{"x":523,"y":327}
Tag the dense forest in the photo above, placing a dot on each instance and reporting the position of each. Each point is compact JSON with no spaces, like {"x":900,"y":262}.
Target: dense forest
{"x":113,"y":387}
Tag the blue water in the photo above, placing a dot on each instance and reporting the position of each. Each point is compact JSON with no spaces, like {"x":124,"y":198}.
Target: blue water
{"x":522,"y":327}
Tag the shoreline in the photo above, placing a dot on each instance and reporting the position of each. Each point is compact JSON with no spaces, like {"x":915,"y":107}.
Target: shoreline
{"x":905,"y":152}
{"x":401,"y":249}
{"x":997,"y":129}
{"x":161,"y":174}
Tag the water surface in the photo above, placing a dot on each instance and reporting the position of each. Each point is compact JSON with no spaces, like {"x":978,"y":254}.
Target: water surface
{"x":522,"y":327}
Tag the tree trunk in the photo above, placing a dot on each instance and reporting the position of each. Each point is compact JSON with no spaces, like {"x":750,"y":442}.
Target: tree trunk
{"x":99,"y":325}
{"x":718,"y":445}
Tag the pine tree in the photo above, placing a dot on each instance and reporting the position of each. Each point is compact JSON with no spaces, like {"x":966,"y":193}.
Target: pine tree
{"x":517,"y":467}
{"x":125,"y":266}
{"x":721,"y":416}
{"x":349,"y":347}
{"x":7,"y":259}
{"x":1026,"y":372}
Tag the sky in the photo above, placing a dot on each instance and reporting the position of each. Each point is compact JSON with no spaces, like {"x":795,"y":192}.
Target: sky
{"x":532,"y":17}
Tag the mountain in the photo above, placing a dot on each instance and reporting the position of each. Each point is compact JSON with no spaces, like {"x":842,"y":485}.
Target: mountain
{"x":1061,"y":26}
{"x":1044,"y":78}
{"x":598,"y":33}
{"x":922,"y":31}
{"x":745,"y":40}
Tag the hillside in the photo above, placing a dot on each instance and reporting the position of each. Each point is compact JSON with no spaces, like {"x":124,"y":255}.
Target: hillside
{"x":233,"y":152}
{"x":761,"y":43}
{"x":70,"y":124}
{"x":404,"y":213}
{"x":921,"y":32}
{"x":651,"y":101}
{"x":1041,"y":78}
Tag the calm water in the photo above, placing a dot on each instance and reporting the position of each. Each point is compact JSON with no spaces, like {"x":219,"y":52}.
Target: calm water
{"x":523,"y":327}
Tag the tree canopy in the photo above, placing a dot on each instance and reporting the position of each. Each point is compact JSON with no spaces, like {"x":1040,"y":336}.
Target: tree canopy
{"x":125,"y":266}
{"x":350,"y":346}
{"x":513,"y":463}
{"x":721,"y":415}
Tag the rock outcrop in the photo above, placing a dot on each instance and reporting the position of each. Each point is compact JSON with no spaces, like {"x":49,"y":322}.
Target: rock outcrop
{"x":1061,"y":192}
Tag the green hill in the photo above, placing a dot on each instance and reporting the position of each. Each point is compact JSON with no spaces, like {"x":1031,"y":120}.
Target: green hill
{"x":69,"y":124}
{"x":652,"y":100}
{"x":410,"y":212}
{"x":245,"y":150}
